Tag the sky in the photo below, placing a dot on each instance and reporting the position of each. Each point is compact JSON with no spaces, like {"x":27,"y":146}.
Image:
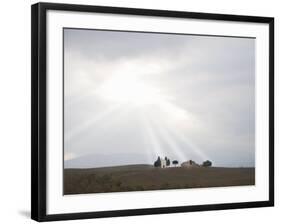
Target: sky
{"x":130,"y":97}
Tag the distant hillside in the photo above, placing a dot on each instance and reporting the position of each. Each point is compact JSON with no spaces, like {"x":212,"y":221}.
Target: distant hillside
{"x":101,"y":160}
{"x":146,"y":177}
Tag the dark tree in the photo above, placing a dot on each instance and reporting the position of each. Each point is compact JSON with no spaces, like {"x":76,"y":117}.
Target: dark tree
{"x":207,"y":163}
{"x":157,"y":163}
{"x":175,"y":162}
{"x":168,"y":162}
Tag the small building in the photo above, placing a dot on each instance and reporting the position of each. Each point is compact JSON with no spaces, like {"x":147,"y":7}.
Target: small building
{"x":190,"y":163}
{"x":163,"y":163}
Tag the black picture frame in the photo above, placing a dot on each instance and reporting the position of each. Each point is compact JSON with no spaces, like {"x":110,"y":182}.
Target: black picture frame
{"x":39,"y":107}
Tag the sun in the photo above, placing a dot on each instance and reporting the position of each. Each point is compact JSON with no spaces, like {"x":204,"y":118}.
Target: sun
{"x":130,"y":90}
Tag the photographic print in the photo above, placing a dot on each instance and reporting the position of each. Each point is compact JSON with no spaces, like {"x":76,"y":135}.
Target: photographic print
{"x":157,"y":111}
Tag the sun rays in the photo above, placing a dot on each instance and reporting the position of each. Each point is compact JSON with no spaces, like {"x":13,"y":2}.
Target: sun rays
{"x":156,"y":115}
{"x":99,"y":117}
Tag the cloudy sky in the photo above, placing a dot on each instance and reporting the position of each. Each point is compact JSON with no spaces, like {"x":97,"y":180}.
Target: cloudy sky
{"x":130,"y":97}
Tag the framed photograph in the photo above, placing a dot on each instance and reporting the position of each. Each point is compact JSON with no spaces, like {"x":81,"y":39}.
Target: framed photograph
{"x":141,"y":111}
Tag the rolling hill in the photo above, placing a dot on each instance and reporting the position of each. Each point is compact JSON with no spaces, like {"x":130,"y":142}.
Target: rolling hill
{"x":146,"y":177}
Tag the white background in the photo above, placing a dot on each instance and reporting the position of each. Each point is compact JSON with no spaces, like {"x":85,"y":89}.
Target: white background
{"x":15,"y":110}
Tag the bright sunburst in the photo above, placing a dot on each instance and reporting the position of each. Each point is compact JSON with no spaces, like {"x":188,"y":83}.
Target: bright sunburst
{"x":130,"y":90}
{"x":133,"y":92}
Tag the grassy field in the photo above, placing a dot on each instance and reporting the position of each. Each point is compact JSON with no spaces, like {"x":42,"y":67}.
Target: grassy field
{"x":147,"y":177}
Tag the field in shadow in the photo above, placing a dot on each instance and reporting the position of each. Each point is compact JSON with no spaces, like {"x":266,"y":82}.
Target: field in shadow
{"x":147,"y":177}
